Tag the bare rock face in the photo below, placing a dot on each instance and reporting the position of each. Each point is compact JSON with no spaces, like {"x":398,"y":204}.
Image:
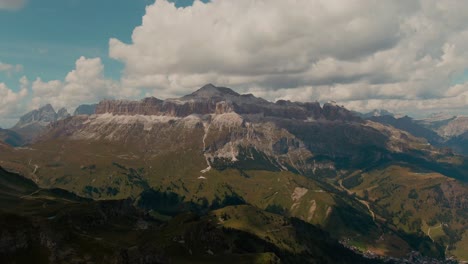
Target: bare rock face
{"x":224,"y":107}
{"x":32,"y":124}
{"x":214,"y":100}
{"x":203,"y":101}
{"x":62,"y":113}
{"x":332,"y":111}
{"x":147,"y":106}
{"x":454,"y":127}
{"x":45,"y":114}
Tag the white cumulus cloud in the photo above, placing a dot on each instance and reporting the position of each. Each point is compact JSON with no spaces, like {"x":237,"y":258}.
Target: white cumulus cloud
{"x":85,"y":84}
{"x":11,"y":102}
{"x":357,"y":52}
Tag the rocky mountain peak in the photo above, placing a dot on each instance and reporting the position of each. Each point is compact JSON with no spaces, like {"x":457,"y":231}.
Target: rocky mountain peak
{"x":440,"y":116}
{"x":46,"y":108}
{"x":209,"y":91}
{"x":35,"y":122}
{"x":332,"y":111}
{"x":211,"y":99}
{"x":45,"y":115}
{"x":62,"y":113}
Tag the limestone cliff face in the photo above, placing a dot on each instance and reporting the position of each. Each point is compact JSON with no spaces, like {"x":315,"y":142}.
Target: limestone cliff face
{"x":332,"y":111}
{"x":148,"y":106}
{"x":215,"y":100}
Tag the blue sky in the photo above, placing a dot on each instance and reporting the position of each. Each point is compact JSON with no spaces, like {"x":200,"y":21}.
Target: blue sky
{"x":404,"y":56}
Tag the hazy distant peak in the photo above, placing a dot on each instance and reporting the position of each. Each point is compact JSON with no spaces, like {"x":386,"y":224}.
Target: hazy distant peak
{"x":438,"y":117}
{"x":44,"y":114}
{"x":46,"y":108}
{"x":62,"y":113}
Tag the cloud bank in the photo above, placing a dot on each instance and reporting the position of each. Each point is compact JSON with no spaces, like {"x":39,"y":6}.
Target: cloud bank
{"x":12,"y":102}
{"x":400,"y":55}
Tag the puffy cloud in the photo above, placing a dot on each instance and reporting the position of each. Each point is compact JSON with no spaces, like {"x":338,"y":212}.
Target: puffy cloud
{"x":85,"y":84}
{"x":11,"y":102}
{"x":8,"y":97}
{"x":254,"y":38}
{"x":12,"y":4}
{"x":362,"y":53}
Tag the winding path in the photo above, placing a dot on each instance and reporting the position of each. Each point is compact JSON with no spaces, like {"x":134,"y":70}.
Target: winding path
{"x":429,"y":231}
{"x":340,"y":182}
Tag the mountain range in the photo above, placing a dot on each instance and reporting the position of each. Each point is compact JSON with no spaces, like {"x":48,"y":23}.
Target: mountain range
{"x":438,"y":129}
{"x":295,"y":182}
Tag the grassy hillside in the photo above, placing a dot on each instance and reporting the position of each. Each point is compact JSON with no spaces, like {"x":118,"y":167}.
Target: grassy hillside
{"x":421,"y":203}
{"x":54,"y":226}
{"x":106,"y":171}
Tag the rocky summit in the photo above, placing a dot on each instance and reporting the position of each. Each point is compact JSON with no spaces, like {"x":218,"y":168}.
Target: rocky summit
{"x":217,"y":100}
{"x":34,"y":123}
{"x":217,"y":175}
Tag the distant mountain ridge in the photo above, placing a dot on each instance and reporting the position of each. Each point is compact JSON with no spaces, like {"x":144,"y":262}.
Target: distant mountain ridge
{"x":439,"y":129}
{"x":455,"y":126}
{"x":35,"y":122}
{"x":410,"y":125}
{"x":211,"y":99}
{"x":42,"y":116}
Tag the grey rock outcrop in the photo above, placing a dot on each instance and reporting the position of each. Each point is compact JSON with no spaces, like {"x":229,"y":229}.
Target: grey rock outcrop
{"x":32,"y":124}
{"x":206,"y":101}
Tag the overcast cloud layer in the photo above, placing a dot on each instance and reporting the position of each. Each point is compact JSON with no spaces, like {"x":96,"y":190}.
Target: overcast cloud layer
{"x":405,"y":56}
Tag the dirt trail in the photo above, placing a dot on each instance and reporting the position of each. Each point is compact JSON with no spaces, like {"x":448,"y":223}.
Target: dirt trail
{"x":429,"y":231}
{"x":340,"y":182}
{"x":29,"y":195}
